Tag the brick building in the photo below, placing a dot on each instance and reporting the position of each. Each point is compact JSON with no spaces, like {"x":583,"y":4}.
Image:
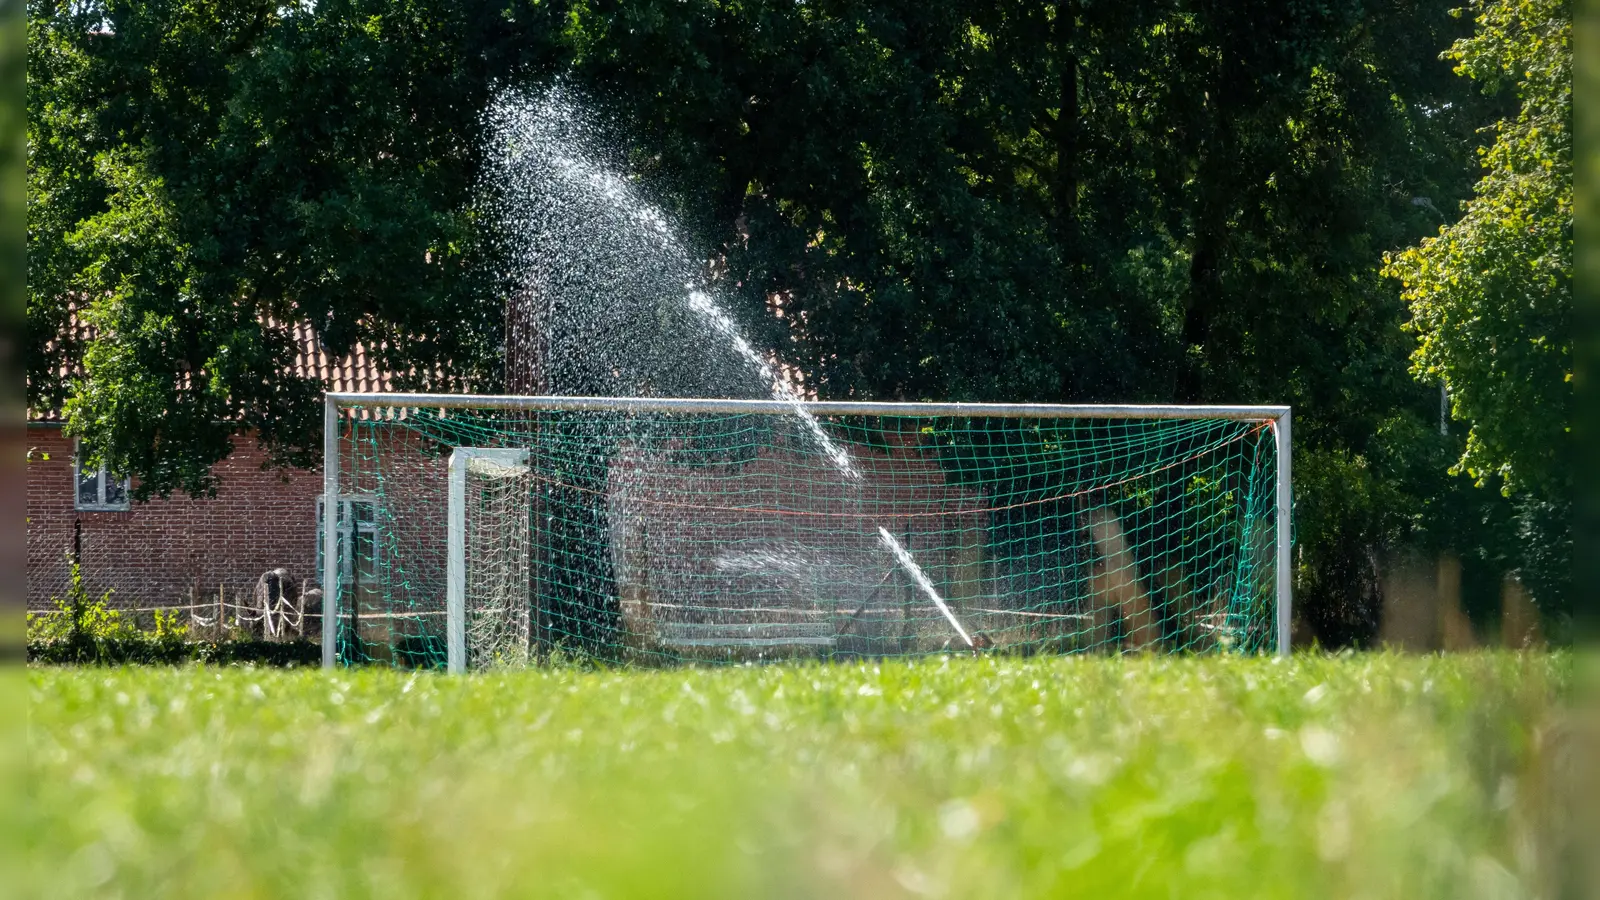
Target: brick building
{"x":162,"y":553}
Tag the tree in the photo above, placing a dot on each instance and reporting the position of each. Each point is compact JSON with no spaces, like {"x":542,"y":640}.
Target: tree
{"x":1491,"y":295}
{"x":1201,"y":218}
{"x":1171,"y":200}
{"x":204,"y":175}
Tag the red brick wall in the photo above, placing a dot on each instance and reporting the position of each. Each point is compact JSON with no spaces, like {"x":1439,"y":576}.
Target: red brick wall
{"x":156,"y":552}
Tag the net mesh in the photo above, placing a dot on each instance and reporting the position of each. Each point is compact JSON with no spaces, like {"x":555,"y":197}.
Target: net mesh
{"x":654,"y":538}
{"x":498,"y":529}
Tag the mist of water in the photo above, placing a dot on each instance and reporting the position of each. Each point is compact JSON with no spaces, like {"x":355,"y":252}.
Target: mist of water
{"x":702,"y":303}
{"x":621,"y":304}
{"x":903,"y":556}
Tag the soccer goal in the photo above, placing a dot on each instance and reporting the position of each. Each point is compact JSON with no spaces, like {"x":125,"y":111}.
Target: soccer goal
{"x":654,"y":531}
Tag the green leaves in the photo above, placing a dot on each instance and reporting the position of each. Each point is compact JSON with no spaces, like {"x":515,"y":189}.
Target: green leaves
{"x":207,"y":176}
{"x":1491,"y":295}
{"x":1169,"y":201}
{"x":898,"y":176}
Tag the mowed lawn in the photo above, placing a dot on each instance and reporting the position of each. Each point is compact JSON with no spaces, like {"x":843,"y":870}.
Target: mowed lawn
{"x":1365,"y":775}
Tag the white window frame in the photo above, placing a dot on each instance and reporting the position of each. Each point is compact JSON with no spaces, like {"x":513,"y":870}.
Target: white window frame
{"x":103,"y":478}
{"x":347,"y":530}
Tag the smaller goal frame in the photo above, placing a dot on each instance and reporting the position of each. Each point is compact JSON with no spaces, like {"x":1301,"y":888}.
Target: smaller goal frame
{"x":456,"y":578}
{"x":1279,"y":418}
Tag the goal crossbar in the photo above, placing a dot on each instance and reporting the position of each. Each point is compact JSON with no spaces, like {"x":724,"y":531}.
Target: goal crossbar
{"x":815,"y":407}
{"x":1278,"y":418}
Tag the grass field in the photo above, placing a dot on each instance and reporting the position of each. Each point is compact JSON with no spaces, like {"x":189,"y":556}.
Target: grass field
{"x":1381,"y":776}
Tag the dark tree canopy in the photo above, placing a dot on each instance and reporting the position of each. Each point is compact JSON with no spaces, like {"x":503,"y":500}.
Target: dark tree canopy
{"x":206,"y":175}
{"x":1163,"y":201}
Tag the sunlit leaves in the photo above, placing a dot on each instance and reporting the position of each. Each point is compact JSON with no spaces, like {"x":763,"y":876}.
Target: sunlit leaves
{"x":1491,"y":295}
{"x":209,"y":175}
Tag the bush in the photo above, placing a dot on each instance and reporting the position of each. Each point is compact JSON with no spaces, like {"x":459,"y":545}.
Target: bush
{"x":146,"y":652}
{"x":82,"y":630}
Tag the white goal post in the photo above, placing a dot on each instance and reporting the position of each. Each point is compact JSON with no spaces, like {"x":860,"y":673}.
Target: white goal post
{"x":340,"y":405}
{"x":496,"y":460}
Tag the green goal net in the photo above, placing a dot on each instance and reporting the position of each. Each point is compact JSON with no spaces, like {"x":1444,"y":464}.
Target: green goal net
{"x":509,"y":531}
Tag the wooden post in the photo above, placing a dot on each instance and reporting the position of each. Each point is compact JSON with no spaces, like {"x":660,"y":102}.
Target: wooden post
{"x":1519,"y":618}
{"x":1455,"y":631}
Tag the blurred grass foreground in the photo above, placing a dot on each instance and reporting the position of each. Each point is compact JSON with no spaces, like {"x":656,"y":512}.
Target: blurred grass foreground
{"x":1366,"y":775}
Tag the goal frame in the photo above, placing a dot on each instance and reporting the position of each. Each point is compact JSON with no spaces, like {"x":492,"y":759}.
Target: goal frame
{"x":1279,"y":418}
{"x":456,"y":550}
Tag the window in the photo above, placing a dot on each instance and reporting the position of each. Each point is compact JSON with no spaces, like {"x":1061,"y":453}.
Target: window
{"x":358,"y":529}
{"x":97,"y":488}
{"x":357,"y":551}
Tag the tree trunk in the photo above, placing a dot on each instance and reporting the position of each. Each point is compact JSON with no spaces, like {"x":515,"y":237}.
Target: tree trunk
{"x":1212,"y":196}
{"x":1066,"y":124}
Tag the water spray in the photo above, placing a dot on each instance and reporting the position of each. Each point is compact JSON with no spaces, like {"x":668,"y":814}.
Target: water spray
{"x":580,"y":230}
{"x":910,"y":565}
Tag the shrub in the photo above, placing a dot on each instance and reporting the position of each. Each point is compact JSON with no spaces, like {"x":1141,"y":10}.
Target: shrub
{"x":85,"y":630}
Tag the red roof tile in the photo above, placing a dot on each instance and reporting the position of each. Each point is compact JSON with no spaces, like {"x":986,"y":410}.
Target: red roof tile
{"x":359,"y":372}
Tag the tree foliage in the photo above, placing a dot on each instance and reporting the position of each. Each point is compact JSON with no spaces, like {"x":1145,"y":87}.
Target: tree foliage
{"x":1158,"y":202}
{"x":207,"y":174}
{"x":1491,"y":295}
{"x":1169,"y":200}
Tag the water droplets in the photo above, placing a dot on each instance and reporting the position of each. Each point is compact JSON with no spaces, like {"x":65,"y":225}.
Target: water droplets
{"x":607,"y":298}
